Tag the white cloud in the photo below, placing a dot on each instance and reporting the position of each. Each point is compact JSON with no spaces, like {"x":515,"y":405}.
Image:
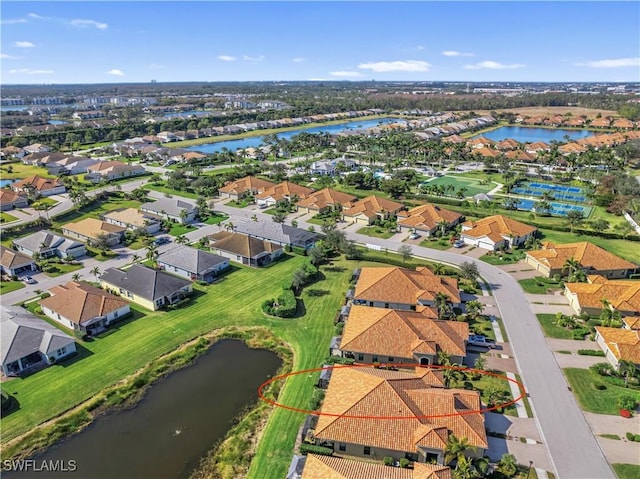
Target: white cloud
{"x":12,"y":21}
{"x":24,"y":44}
{"x":4,"y":56}
{"x":298,"y":60}
{"x":30,"y":71}
{"x":612,"y":63}
{"x":453,"y":53}
{"x":343,"y":74}
{"x":116,"y":72}
{"x":82,"y":23}
{"x":226,"y":58}
{"x":248,"y":58}
{"x":397,"y":66}
{"x":490,"y":65}
{"x":38,"y":17}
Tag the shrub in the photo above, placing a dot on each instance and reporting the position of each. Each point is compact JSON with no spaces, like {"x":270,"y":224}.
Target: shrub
{"x":628,"y":402}
{"x":339,"y":360}
{"x":298,"y":250}
{"x":590,"y":352}
{"x":316,"y":399}
{"x":580,"y":333}
{"x":404,"y":462}
{"x":601,"y":387}
{"x":284,"y":307}
{"x":388,"y":461}
{"x":602,"y":369}
{"x":310,"y":448}
{"x":45,"y":295}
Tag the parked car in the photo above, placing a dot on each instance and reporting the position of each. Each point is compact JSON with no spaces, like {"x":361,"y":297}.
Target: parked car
{"x":414,"y":236}
{"x":480,"y":340}
{"x":162,"y":240}
{"x":458,"y":244}
{"x":28,"y":280}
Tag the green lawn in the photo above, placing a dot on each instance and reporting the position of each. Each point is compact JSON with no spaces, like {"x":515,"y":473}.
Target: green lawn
{"x":9,"y":286}
{"x":240,"y":204}
{"x":551,"y":330}
{"x":627,"y":471}
{"x":164,"y":189}
{"x":538,"y":285}
{"x":376,"y":232}
{"x":178,"y":229}
{"x":44,"y":202}
{"x":625,"y":249}
{"x":215,"y":219}
{"x":95,"y":210}
{"x":473,"y":185}
{"x":62,"y":268}
{"x":503,"y":258}
{"x":20,"y":171}
{"x":583,"y":382}
{"x":491,"y":382}
{"x":316,"y":220}
{"x":7,"y":218}
{"x":439,"y":244}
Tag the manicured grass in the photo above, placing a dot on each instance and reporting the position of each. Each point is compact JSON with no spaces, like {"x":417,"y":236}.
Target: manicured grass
{"x":439,"y":244}
{"x":503,"y":258}
{"x":215,"y":219}
{"x":21,"y":171}
{"x":625,"y":249}
{"x":315,"y":220}
{"x":583,"y":382}
{"x":538,"y":285}
{"x":62,"y":268}
{"x":376,"y":232}
{"x":472,"y":185}
{"x":164,"y":189}
{"x":95,"y":210}
{"x":7,"y":218}
{"x":551,"y":330}
{"x":487,"y":382}
{"x":9,"y":286}
{"x":240,"y":204}
{"x":178,"y":229}
{"x":44,"y":201}
{"x":627,"y":471}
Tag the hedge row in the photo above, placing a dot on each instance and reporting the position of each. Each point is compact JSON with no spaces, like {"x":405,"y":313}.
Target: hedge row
{"x":310,"y":448}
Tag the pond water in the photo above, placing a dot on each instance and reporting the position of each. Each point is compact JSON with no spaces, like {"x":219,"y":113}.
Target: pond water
{"x":256,"y":141}
{"x":176,"y":423}
{"x":524,"y":134}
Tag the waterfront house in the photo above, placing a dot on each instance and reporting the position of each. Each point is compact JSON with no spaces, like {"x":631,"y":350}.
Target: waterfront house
{"x":335,"y":467}
{"x":192,"y":263}
{"x":39,"y":186}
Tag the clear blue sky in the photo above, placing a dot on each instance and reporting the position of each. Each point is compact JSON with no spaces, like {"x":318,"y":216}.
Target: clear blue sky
{"x":103,"y":42}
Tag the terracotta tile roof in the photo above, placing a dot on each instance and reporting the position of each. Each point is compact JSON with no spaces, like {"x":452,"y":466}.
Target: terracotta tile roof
{"x":623,"y":295}
{"x":601,"y":122}
{"x":38,"y":183}
{"x":243,"y":245}
{"x":80,"y":302}
{"x":496,"y":228}
{"x":405,"y":286}
{"x":428,"y":217}
{"x":11,"y":259}
{"x":623,"y":343}
{"x":371,"y":205}
{"x":286,"y":189}
{"x":248,"y":183}
{"x":91,"y":228}
{"x":572,"y":148}
{"x":8,"y":197}
{"x":327,"y":197}
{"x":507,"y":144}
{"x":487,"y":152}
{"x":371,"y":392}
{"x":589,"y":256}
{"x":106,"y":167}
{"x":538,"y":145}
{"x":520,"y":155}
{"x":632,"y":323}
{"x":401,"y":334}
{"x":622,"y":123}
{"x":332,"y":467}
{"x":481,"y":140}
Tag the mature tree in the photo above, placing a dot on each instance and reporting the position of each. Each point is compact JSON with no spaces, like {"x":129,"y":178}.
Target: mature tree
{"x":75,"y":276}
{"x":182,"y":239}
{"x":456,"y":449}
{"x":279,"y":217}
{"x":95,"y":271}
{"x":394,"y":188}
{"x":574,"y":218}
{"x":335,"y":239}
{"x":101,"y":242}
{"x":627,"y":369}
{"x":600,"y":225}
{"x":298,"y":280}
{"x":405,"y":251}
{"x":316,"y":255}
{"x":508,"y":465}
{"x":469,"y":270}
{"x":438,"y":268}
{"x":624,"y":229}
{"x":474,"y":308}
{"x":152,"y":251}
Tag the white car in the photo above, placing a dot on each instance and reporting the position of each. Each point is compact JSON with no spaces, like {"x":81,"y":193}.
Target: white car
{"x":414,"y":236}
{"x":28,"y":280}
{"x":480,"y":340}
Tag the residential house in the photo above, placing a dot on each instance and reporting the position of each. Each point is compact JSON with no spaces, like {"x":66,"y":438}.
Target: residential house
{"x":132,"y":219}
{"x":495,"y":232}
{"x":404,"y":289}
{"x":428,"y":219}
{"x":278,"y":233}
{"x":10,"y":200}
{"x":282,"y":192}
{"x":520,"y":155}
{"x":166,"y":136}
{"x":14,"y":263}
{"x":331,"y":167}
{"x":552,"y":258}
{"x":245,"y":249}
{"x":91,"y":229}
{"x":380,"y":335}
{"x":619,"y":344}
{"x":113,"y":170}
{"x":507,"y":144}
{"x":12,"y":151}
{"x":325,"y":200}
{"x":29,"y":343}
{"x":172,"y":209}
{"x":536,"y":147}
{"x":419,"y":415}
{"x":599,"y":292}
{"x":367,"y":210}
{"x":40,"y":186}
{"x":36,"y":148}
{"x":601,"y":122}
{"x":618,"y":123}
{"x":48,"y":244}
{"x":247,"y":186}
{"x":145,"y":286}
{"x":71,"y":165}
{"x":83,"y":307}
{"x":335,"y":467}
{"x":480,"y":142}
{"x":192,"y":263}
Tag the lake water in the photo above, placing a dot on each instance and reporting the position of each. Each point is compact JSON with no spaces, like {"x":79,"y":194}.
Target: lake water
{"x":15,"y":108}
{"x":526,"y":134}
{"x":4,"y":183}
{"x":256,"y":141}
{"x":178,"y":421}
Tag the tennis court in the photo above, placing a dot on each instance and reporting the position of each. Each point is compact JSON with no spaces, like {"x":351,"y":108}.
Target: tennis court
{"x":566,"y":193}
{"x":557,"y":209}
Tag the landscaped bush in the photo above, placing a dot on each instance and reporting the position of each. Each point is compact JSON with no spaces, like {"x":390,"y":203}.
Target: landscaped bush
{"x":45,"y":295}
{"x":338,"y":360}
{"x":316,"y":399}
{"x":388,"y":461}
{"x":600,"y":387}
{"x":404,"y":462}
{"x":298,"y":250}
{"x":633,"y":437}
{"x":628,"y":402}
{"x":602,"y":369}
{"x":284,"y":306}
{"x":590,"y":352}
{"x":310,"y":448}
{"x":580,"y":333}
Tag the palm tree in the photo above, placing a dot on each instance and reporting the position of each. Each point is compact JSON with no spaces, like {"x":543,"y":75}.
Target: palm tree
{"x":229,"y":226}
{"x":508,"y":465}
{"x":451,"y":373}
{"x":628,"y":370}
{"x":578,"y":276}
{"x":95,"y":271}
{"x":152,"y":251}
{"x":474,"y":308}
{"x":135,"y":258}
{"x":456,"y":449}
{"x":571,"y":265}
{"x":182,"y":239}
{"x":76,"y":276}
{"x":443,"y":305}
{"x":438,"y":268}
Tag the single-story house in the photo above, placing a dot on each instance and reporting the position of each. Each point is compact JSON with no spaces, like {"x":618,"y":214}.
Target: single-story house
{"x":83,"y":307}
{"x":279,"y":233}
{"x":551,"y":259}
{"x":330,"y":167}
{"x":315,"y":466}
{"x":622,"y":295}
{"x":147,"y":287}
{"x":367,"y":210}
{"x":36,"y":148}
{"x":71,"y":165}
{"x":325,"y":200}
{"x":48,"y":244}
{"x":132,"y":219}
{"x":285,"y":191}
{"x":29,"y":343}
{"x":428,"y":218}
{"x":14,"y":263}
{"x":192,"y":263}
{"x":39,"y":185}
{"x":379,"y":335}
{"x":247,"y":186}
{"x":113,"y":170}
{"x":10,"y":200}
{"x":428,"y":414}
{"x":401,"y":288}
{"x":172,"y":209}
{"x":619,"y":344}
{"x":495,"y":232}
{"x":90,"y":229}
{"x":245,"y":249}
